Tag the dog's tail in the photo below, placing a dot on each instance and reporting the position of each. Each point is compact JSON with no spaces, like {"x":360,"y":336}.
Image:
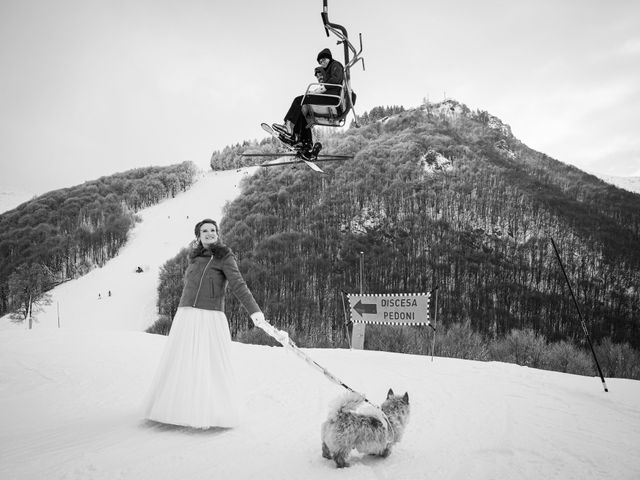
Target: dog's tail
{"x":346,"y":403}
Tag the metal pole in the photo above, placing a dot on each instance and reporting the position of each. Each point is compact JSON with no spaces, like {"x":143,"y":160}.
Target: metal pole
{"x":358,"y":328}
{"x":29,"y":313}
{"x":435,"y":323}
{"x":361,"y":272}
{"x":584,"y":327}
{"x":346,"y":322}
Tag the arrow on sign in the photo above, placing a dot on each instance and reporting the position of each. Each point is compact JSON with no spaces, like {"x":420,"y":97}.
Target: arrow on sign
{"x":365,"y":308}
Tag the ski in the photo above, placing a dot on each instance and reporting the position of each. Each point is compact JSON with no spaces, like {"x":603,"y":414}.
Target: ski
{"x":298,"y":153}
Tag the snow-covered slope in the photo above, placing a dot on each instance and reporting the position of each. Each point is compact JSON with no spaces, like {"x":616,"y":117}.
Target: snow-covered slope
{"x":631,"y":184}
{"x":70,"y":409}
{"x":165,"y":228}
{"x":70,"y":398}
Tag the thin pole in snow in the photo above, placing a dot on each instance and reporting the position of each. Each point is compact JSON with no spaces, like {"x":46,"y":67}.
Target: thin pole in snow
{"x":435,"y":322}
{"x":29,"y":312}
{"x":346,"y":322}
{"x":361,"y":272}
{"x":584,"y":327}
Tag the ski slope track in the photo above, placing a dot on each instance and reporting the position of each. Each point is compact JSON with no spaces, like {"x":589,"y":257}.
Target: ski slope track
{"x":84,"y":303}
{"x":71,"y":397}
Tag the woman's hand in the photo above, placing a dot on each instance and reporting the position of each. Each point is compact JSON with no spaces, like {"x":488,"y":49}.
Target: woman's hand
{"x":279,"y":335}
{"x":257,"y":317}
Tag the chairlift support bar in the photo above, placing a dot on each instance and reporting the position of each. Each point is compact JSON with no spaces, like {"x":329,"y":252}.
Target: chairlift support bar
{"x":341,"y":32}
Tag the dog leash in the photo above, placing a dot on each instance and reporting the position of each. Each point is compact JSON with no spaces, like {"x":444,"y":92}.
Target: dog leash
{"x":283,"y":338}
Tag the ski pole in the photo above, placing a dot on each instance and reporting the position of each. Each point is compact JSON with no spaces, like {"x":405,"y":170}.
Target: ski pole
{"x":584,"y":326}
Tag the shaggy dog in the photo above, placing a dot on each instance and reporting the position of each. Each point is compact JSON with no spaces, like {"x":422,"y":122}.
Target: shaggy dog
{"x":373,"y":432}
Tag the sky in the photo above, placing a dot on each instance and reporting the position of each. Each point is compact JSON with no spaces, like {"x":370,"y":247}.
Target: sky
{"x":90,"y":88}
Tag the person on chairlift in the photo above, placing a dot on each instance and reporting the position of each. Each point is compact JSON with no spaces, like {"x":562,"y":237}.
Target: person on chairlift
{"x":295,"y":128}
{"x":333,"y":73}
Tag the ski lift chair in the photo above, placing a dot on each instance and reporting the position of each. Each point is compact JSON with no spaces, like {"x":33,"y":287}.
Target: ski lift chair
{"x":331,"y":109}
{"x":327,"y":109}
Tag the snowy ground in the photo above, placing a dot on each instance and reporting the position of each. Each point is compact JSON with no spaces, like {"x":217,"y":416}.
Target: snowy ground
{"x":70,"y":409}
{"x":70,"y":398}
{"x":631,"y":184}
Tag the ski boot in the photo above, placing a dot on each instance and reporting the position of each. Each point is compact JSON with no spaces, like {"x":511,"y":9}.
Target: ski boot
{"x":283,"y":129}
{"x":310,"y":152}
{"x":316,"y":149}
{"x":290,"y":140}
{"x":305,"y":150}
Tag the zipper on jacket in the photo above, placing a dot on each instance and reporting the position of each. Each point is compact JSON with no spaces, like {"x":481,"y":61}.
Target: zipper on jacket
{"x":195,"y":300}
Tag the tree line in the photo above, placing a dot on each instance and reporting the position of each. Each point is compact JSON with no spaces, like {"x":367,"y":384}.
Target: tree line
{"x":63,"y":234}
{"x":479,"y":228}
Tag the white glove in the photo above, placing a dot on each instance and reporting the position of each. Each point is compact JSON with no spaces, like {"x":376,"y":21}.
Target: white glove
{"x":279,"y":335}
{"x":282,"y":337}
{"x":257,"y":317}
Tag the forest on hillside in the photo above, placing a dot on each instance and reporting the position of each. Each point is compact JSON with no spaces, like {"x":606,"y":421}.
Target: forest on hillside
{"x":65,"y":233}
{"x":438,"y":196}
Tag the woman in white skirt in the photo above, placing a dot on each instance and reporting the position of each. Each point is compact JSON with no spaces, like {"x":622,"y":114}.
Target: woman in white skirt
{"x":195,"y":384}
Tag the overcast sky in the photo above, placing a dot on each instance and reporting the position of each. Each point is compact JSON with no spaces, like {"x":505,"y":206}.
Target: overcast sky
{"x":93,"y":87}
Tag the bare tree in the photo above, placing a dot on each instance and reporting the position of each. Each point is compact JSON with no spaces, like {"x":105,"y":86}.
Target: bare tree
{"x":28,"y":291}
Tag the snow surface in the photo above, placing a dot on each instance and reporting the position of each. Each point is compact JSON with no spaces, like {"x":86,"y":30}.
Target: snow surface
{"x":70,"y":398}
{"x":631,"y":184}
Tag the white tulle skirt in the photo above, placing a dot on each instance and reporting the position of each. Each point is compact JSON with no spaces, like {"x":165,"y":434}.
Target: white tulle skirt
{"x":195,"y":384}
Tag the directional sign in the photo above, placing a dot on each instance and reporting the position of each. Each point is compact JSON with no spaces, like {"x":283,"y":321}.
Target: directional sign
{"x":394,"y":309}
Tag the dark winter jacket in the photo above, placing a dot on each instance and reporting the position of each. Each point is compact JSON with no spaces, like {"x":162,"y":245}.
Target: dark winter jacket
{"x":207,"y":277}
{"x":334,"y":73}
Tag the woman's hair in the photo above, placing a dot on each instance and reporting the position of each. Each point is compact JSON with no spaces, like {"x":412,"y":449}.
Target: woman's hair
{"x":196,"y":230}
{"x":219,"y":250}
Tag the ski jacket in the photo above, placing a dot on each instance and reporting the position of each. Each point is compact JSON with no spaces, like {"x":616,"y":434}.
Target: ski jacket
{"x":206,"y":280}
{"x":334,"y":73}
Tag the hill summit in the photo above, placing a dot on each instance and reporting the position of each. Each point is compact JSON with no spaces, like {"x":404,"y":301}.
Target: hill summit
{"x":440,"y":196}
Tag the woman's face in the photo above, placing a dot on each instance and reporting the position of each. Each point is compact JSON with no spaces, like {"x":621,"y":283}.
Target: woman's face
{"x":324,"y":62}
{"x":208,"y":234}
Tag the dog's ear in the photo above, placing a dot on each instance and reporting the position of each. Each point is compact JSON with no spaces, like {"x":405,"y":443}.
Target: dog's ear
{"x":390,"y":393}
{"x":406,"y":398}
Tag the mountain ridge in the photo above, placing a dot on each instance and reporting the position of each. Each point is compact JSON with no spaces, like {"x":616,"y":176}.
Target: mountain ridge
{"x":631,"y":183}
{"x":479,"y":230}
{"x":10,"y":198}
{"x":439,"y":195}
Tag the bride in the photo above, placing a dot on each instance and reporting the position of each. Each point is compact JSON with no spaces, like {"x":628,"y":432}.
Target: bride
{"x":195,"y":384}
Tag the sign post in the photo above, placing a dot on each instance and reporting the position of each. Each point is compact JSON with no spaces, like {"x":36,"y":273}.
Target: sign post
{"x":390,"y":309}
{"x":357,"y":329}
{"x":387,"y":309}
